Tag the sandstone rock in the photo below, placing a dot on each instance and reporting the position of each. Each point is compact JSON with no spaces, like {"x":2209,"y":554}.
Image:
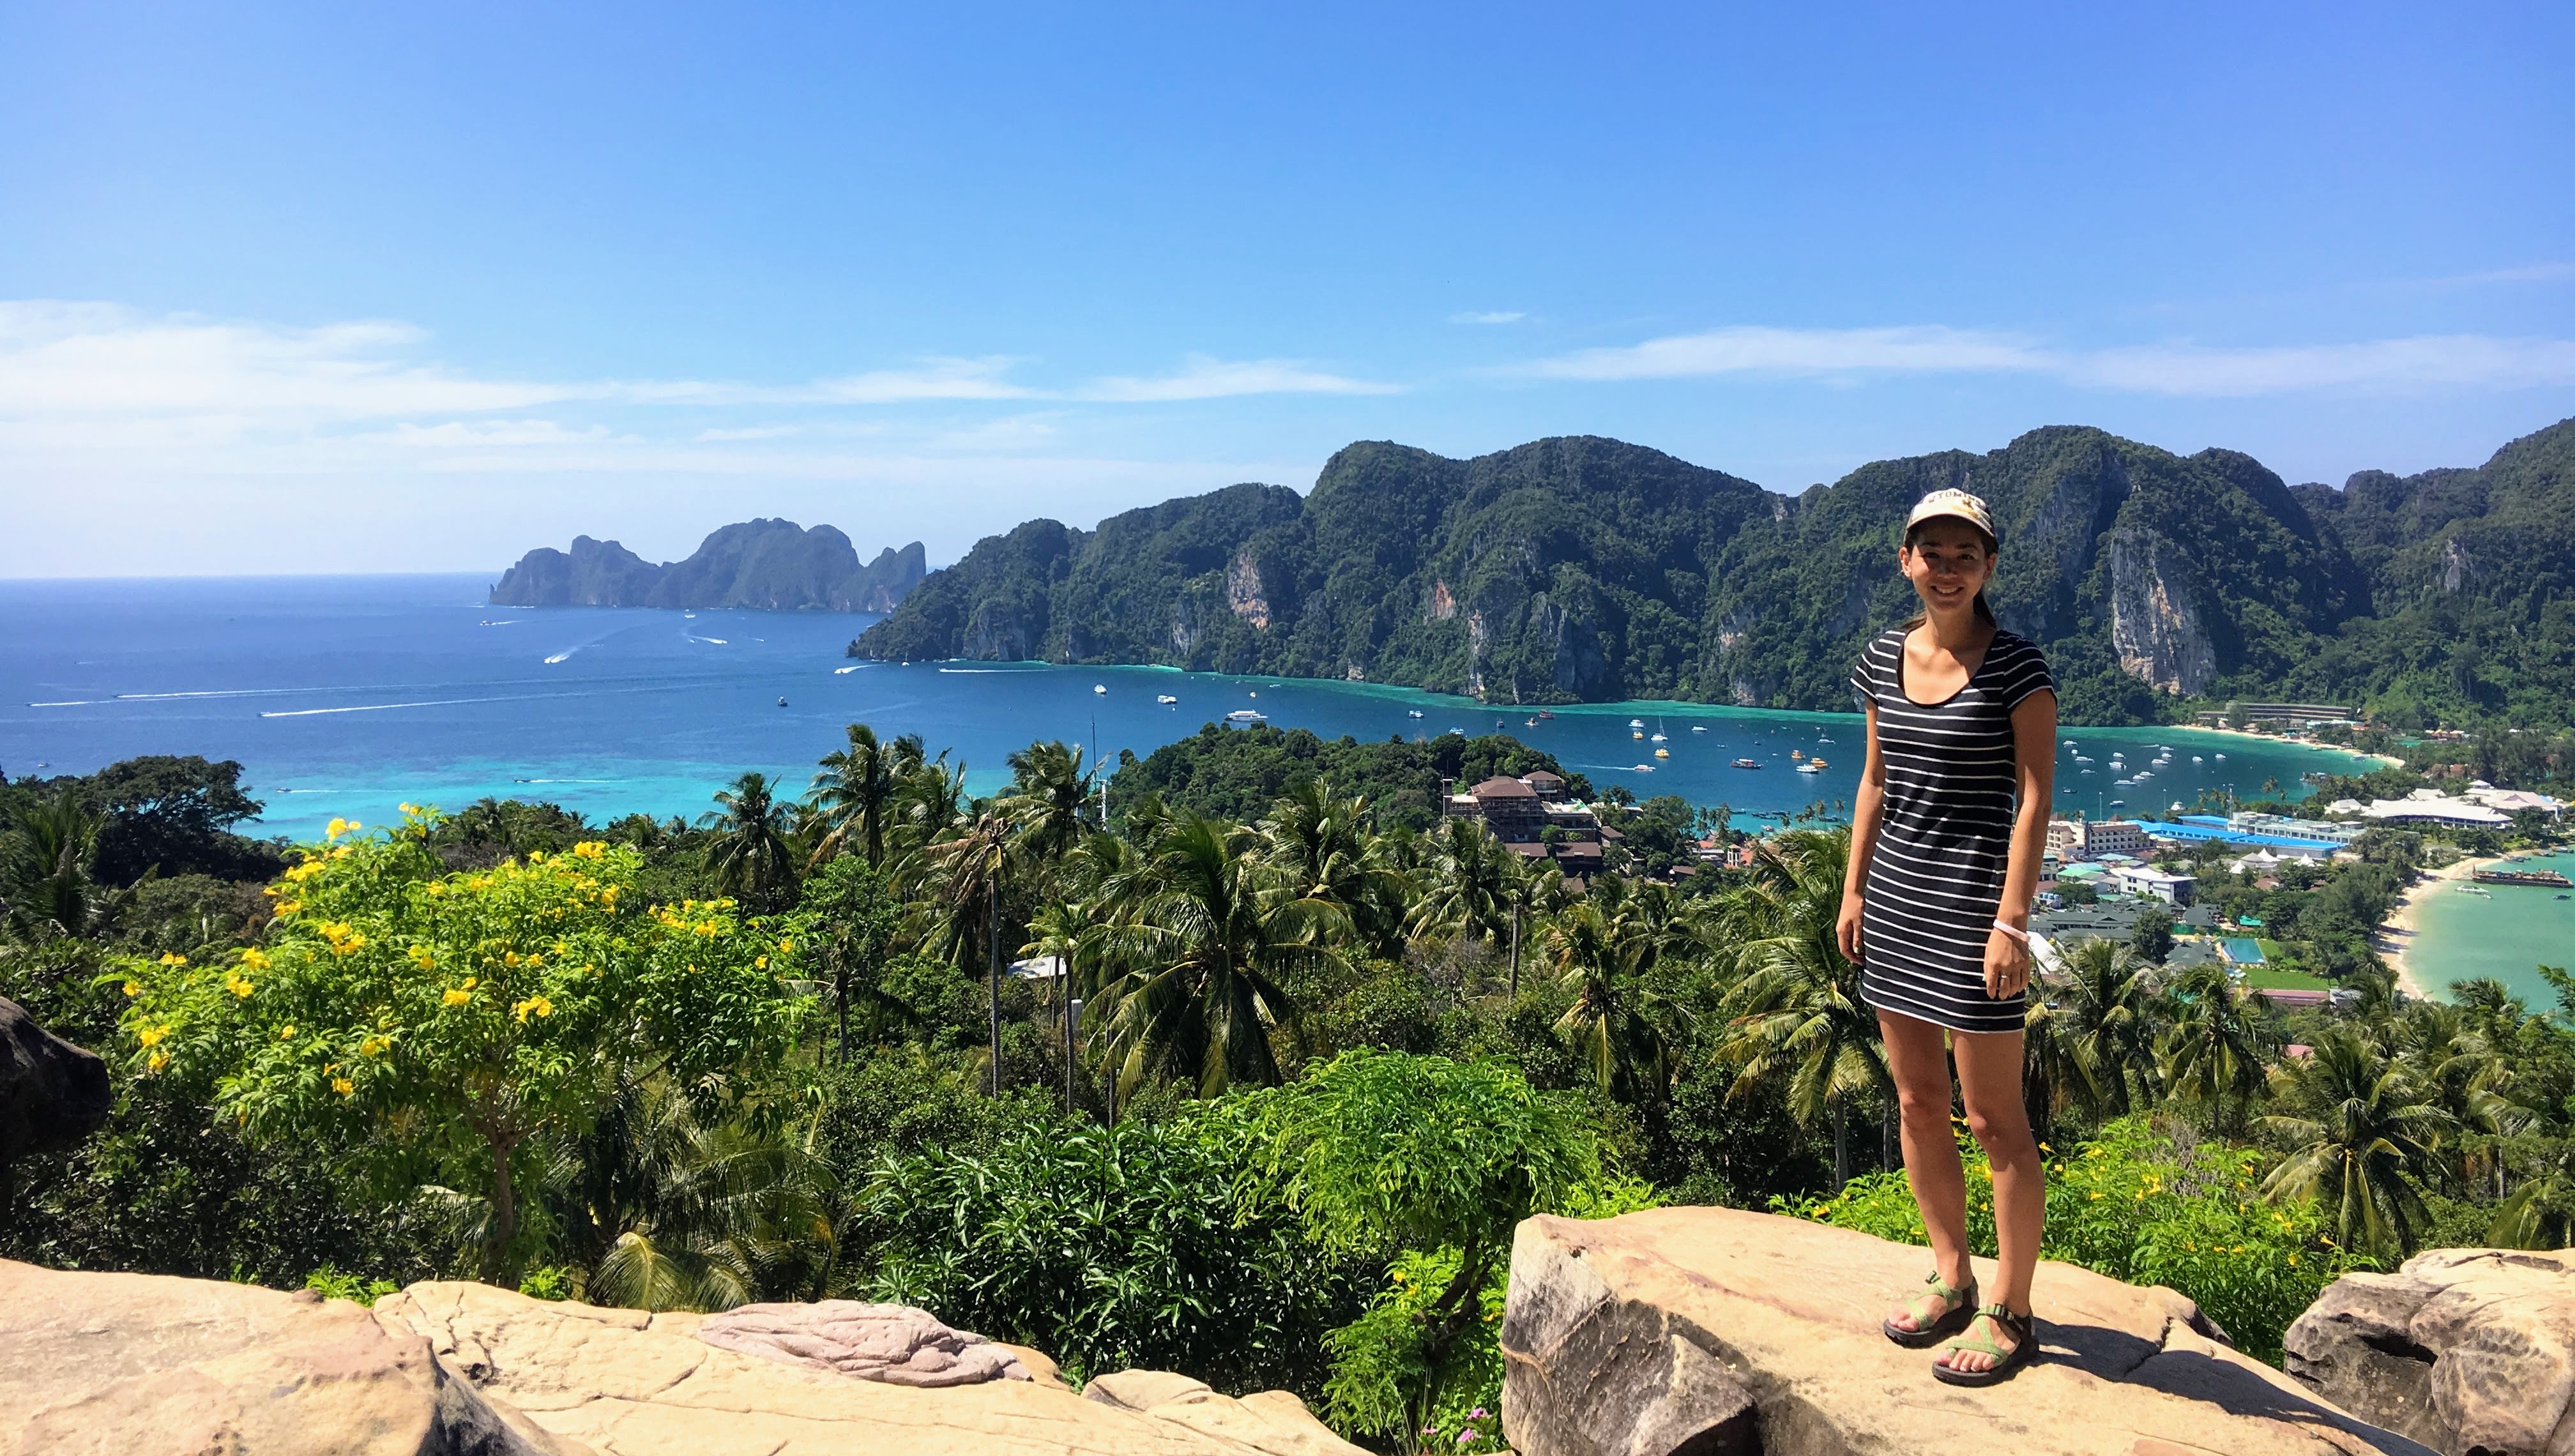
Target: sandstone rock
{"x":52,"y":1093}
{"x":894,"y":1344}
{"x":138,"y":1364}
{"x":2471,"y":1351}
{"x":627,"y":1383}
{"x":1722,"y":1333}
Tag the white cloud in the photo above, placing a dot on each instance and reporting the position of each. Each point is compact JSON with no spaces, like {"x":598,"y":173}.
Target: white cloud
{"x":934,"y":378}
{"x":1750,"y":350}
{"x":1212,"y":378}
{"x":2415,"y":365}
{"x":459,"y":433}
{"x":1498,"y":316}
{"x":749,"y":432}
{"x":2382,"y":366}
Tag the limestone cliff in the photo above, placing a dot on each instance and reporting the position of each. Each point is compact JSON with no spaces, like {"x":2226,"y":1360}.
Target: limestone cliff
{"x":770,"y":565}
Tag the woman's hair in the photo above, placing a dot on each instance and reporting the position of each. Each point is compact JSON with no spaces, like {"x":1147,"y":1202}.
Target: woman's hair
{"x":1993,"y":549}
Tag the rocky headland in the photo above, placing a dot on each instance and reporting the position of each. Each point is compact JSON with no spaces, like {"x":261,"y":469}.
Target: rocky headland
{"x":774,"y":566}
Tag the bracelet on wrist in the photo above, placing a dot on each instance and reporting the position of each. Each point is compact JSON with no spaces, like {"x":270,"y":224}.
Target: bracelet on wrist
{"x":2014,"y":931}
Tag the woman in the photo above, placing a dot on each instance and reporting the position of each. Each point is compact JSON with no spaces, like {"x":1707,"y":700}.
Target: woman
{"x":1945,"y":841}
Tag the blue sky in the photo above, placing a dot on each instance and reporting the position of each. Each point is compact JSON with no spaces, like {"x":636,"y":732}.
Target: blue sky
{"x":339,"y":288}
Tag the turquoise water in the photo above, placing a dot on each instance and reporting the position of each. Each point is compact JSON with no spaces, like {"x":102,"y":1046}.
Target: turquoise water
{"x":347,"y":696}
{"x":2462,"y":936}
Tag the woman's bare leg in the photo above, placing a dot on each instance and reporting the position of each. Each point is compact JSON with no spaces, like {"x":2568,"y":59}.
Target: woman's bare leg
{"x":1989,"y":1074}
{"x":1918,"y":1058}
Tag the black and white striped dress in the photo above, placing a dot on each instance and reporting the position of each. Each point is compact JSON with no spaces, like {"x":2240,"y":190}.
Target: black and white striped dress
{"x":1935,"y":877}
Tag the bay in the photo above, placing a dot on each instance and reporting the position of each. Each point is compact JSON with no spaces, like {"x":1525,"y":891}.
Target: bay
{"x":2506,"y":934}
{"x":347,"y":696}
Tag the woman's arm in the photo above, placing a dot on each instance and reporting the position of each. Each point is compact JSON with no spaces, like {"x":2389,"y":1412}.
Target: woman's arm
{"x":2007,"y":962}
{"x":1869,"y":807}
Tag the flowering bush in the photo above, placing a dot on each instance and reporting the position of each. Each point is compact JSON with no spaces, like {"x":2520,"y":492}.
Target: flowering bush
{"x":455,"y":1016}
{"x":2131,"y":1205}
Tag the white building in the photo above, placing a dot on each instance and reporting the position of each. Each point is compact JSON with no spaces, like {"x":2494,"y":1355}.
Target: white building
{"x":2431,"y":806}
{"x":2092,"y":839}
{"x":2145,"y":879}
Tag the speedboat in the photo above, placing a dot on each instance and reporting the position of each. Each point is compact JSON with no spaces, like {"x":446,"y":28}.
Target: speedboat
{"x":1636,"y":722}
{"x":2069,"y":743}
{"x":1543,"y":713}
{"x":1811,"y":766}
{"x":1165,"y":698}
{"x":1747,"y":764}
{"x":1796,"y":753}
{"x":1659,"y":737}
{"x":840,"y":672}
{"x":1456,"y":733}
{"x":2194,"y":757}
{"x":1245,"y":715}
{"x":2221,"y":757}
{"x":1642,"y":769}
{"x":1637,"y":734}
{"x":782,"y":702}
{"x":1698,"y":727}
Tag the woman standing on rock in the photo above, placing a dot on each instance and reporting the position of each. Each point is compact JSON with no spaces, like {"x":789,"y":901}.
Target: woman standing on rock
{"x":1946,"y":836}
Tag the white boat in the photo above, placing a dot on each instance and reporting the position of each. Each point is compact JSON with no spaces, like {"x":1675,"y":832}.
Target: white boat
{"x":838,"y":672}
{"x":1098,"y":686}
{"x":2194,"y":757}
{"x":1811,"y":766}
{"x":1662,"y":753}
{"x":1642,"y":769}
{"x":1698,"y":727}
{"x":2221,"y":757}
{"x":2080,"y":758}
{"x":1165,"y":698}
{"x":2124,"y":782}
{"x":2478,"y":891}
{"x":2086,"y":773}
{"x":1456,"y":733}
{"x":1416,"y":712}
{"x":1659,"y":738}
{"x":2069,"y":743}
{"x":1636,"y":722}
{"x":1245,"y":715}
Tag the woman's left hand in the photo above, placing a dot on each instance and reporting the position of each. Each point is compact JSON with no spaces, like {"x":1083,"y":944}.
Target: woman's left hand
{"x":2006,"y":965}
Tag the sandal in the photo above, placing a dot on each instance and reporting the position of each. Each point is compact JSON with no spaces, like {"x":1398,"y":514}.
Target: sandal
{"x":2024,"y":1330}
{"x":1958,"y":1309}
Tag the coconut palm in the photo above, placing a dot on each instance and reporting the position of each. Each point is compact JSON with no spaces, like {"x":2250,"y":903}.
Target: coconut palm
{"x":2361,"y":1133}
{"x":2214,"y":1052}
{"x":2540,"y":1213}
{"x":1322,"y":847}
{"x":1050,"y":796}
{"x":1202,"y":952}
{"x":750,"y":850}
{"x":856,"y":793}
{"x":1796,"y":1016}
{"x":2112,"y":1011}
{"x":46,"y":865}
{"x":1610,"y":1024}
{"x":1468,"y":891}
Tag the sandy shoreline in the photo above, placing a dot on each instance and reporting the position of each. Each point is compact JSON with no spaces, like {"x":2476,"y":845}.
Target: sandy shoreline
{"x":2276,"y":741}
{"x":2398,"y":931}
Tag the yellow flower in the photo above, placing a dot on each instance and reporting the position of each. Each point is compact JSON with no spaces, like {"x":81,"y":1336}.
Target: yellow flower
{"x":761,"y":964}
{"x":305,"y":871}
{"x":608,"y":896}
{"x":786,"y":947}
{"x":538,"y":1004}
{"x":152,"y":1036}
{"x":254,"y":957}
{"x":2096,"y":1195}
{"x":343,"y":1085}
{"x":472,"y":981}
{"x":351,"y":946}
{"x":2293,"y":1260}
{"x":454,"y":997}
{"x":173,"y":958}
{"x":588,"y":850}
{"x":510,"y":957}
{"x":336,"y":827}
{"x":421,"y":956}
{"x":161,"y":1059}
{"x":408,"y":810}
{"x":536,"y":856}
{"x":132,"y":990}
{"x":239,"y":985}
{"x":438,"y":887}
{"x":286,"y":1033}
{"x":375,"y":1045}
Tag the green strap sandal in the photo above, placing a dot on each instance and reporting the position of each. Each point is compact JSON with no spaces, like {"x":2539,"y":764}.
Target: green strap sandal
{"x":2020,"y":1327}
{"x":1958,"y":1308}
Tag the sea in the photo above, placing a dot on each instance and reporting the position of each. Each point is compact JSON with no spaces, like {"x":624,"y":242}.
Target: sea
{"x":2506,"y":934}
{"x":345,"y":697}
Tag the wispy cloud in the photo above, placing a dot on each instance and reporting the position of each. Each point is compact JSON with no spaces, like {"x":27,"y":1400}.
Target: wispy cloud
{"x":932,"y":379}
{"x":2533,"y":272}
{"x":2430,"y":362}
{"x":454,"y":433}
{"x":1212,"y":378}
{"x":1498,"y":316}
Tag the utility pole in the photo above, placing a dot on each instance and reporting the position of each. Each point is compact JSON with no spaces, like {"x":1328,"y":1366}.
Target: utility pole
{"x":1516,"y":948}
{"x":992,"y":935}
{"x":1072,"y":1019}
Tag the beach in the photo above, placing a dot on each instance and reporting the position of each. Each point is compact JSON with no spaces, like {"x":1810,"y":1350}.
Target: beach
{"x":2277,"y":740}
{"x":2398,"y":931}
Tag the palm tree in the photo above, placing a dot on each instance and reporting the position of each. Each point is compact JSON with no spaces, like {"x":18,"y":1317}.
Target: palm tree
{"x":2361,"y":1132}
{"x":2540,"y":1213}
{"x":1468,"y":891}
{"x":1049,"y":793}
{"x":46,"y":863}
{"x":1204,"y":947}
{"x":1609,"y":1025}
{"x":1322,"y":847}
{"x":749,"y":852}
{"x":2112,"y":1012}
{"x":966,"y":873}
{"x":2217,"y":1045}
{"x":2444,"y":1049}
{"x":1797,"y":1011}
{"x":856,"y":792}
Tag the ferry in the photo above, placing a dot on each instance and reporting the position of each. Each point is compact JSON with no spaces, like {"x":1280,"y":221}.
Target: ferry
{"x":1747,"y":764}
{"x":1811,"y":766}
{"x":1245,"y":715}
{"x":2549,"y":878}
{"x":1165,"y":699}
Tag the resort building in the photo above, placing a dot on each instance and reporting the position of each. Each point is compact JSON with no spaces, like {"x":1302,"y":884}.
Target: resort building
{"x":1521,"y":811}
{"x":2293,"y":717}
{"x":2153,"y":883}
{"x":2431,"y":806}
{"x":2077,"y":839}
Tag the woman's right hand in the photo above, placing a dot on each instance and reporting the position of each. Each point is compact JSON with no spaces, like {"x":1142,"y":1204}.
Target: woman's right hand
{"x":1847,"y":927}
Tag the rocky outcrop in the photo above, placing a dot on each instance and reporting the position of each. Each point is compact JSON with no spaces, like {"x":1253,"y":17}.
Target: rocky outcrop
{"x":52,"y":1093}
{"x":2155,"y":630}
{"x":141,"y":1365}
{"x":774,"y":566}
{"x":1722,"y":1333}
{"x":894,"y":1344}
{"x":625,"y":1382}
{"x":2470,"y":1351}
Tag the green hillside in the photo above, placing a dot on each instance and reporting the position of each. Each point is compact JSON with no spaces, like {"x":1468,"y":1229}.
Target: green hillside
{"x":1590,"y":570}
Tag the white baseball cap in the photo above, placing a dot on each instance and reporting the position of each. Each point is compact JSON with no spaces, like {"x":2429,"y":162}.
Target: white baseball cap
{"x":1970,"y":509}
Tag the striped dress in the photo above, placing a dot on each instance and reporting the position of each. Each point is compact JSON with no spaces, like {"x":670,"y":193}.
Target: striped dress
{"x":1935,"y":876}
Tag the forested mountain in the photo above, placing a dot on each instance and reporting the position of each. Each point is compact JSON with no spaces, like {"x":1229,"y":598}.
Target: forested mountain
{"x":775,"y":565}
{"x":1589,"y":570}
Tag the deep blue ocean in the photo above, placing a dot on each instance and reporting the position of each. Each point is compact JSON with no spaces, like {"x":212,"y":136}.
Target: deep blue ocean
{"x":347,"y":696}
